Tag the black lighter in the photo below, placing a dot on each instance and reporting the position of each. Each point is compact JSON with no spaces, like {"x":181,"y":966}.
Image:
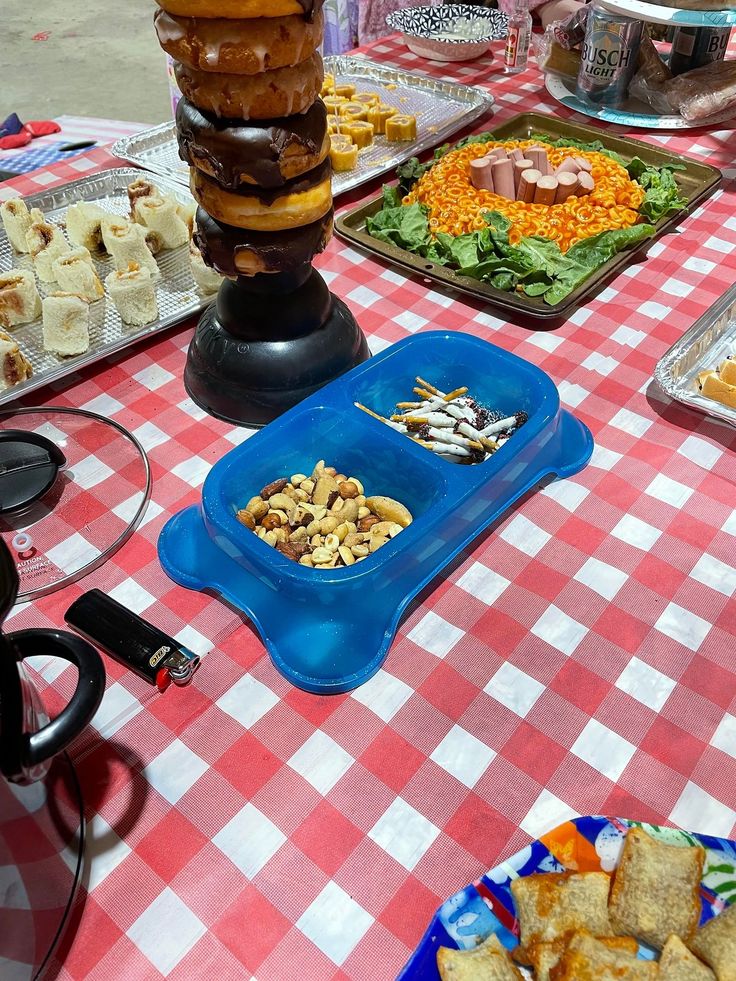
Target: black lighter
{"x":131,"y":641}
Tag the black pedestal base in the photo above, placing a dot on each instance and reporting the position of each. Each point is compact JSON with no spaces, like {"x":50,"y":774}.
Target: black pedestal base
{"x":252,"y":357}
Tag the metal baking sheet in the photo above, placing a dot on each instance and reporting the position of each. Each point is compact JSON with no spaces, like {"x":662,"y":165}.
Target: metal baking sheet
{"x":441,"y":108}
{"x":704,"y":346}
{"x":696,"y":182}
{"x":176,"y":292}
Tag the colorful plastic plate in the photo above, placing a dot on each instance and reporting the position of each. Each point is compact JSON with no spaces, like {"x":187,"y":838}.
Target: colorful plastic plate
{"x":330,"y":631}
{"x":587,"y":844}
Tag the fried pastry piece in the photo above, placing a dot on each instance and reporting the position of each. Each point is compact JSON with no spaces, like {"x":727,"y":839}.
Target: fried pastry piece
{"x":84,"y":225}
{"x":715,"y":943}
{"x":134,"y":295}
{"x":343,"y":154}
{"x":545,"y":956}
{"x":400,"y":128}
{"x":488,"y":962}
{"x":727,"y":371}
{"x":712,"y":386}
{"x":550,"y":906}
{"x":75,"y":273}
{"x":17,"y":222}
{"x":65,"y":323}
{"x":46,"y":242}
{"x":14,"y":366}
{"x":588,"y":959}
{"x":656,"y":889}
{"x":678,"y":964}
{"x":19,"y":299}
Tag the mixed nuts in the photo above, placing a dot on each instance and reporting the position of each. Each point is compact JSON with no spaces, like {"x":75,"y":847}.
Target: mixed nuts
{"x":325,"y":520}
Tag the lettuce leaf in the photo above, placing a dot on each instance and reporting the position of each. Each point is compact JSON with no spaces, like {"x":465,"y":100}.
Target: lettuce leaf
{"x":662,"y":195}
{"x":593,"y":146}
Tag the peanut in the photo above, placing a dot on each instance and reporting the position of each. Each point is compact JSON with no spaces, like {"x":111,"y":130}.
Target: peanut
{"x":321,"y":556}
{"x":346,"y":555}
{"x":349,"y":511}
{"x":365,"y":524}
{"x":360,"y":551}
{"x":353,"y":539}
{"x":328,"y":525}
{"x":307,"y":485}
{"x":339,"y":477}
{"x":298,"y":479}
{"x":282,"y":515}
{"x":313,"y":528}
{"x":270,"y":538}
{"x":271,"y":521}
{"x":388,"y":529}
{"x":282,"y":535}
{"x":342,"y":531}
{"x":376,"y":542}
{"x":261,"y":532}
{"x":332,"y":542}
{"x":354,"y":480}
{"x":257,"y":507}
{"x":316,"y":540}
{"x":337,"y":505}
{"x":360,"y":501}
{"x":363,"y":511}
{"x":307,"y":560}
{"x":348,"y":489}
{"x":330,"y":471}
{"x":300,"y":495}
{"x":299,"y":534}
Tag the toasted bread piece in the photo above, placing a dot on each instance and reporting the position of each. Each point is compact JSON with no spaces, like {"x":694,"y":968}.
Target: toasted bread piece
{"x":551,"y":905}
{"x":715,"y":943}
{"x":678,"y":964}
{"x":588,"y":959}
{"x":545,"y":956}
{"x":488,"y":962}
{"x":656,"y":889}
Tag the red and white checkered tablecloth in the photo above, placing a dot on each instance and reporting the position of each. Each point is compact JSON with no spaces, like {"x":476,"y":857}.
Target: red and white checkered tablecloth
{"x":579,"y":659}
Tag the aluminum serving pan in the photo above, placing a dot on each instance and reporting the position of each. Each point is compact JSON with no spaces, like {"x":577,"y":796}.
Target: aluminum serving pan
{"x":704,"y":346}
{"x":441,"y":108}
{"x":176,"y":293}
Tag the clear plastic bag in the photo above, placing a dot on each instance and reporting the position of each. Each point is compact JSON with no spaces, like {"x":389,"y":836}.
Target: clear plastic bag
{"x":651,"y":75}
{"x":553,"y":58}
{"x":703,"y":92}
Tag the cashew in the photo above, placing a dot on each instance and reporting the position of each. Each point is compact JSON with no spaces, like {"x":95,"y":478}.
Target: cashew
{"x":388,"y":509}
{"x":247,"y":519}
{"x":298,"y":479}
{"x":306,"y":560}
{"x":363,"y":512}
{"x":280,"y":502}
{"x":332,"y":542}
{"x":360,"y":551}
{"x":321,"y":555}
{"x":328,"y":525}
{"x":270,"y":538}
{"x":346,"y":555}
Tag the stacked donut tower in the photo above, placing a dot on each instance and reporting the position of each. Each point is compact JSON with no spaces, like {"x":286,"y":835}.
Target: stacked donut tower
{"x":254,"y":132}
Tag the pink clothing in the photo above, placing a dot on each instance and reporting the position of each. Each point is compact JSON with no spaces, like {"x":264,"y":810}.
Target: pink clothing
{"x":372,"y":16}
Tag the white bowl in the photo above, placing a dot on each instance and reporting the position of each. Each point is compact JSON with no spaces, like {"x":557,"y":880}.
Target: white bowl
{"x":456,"y":32}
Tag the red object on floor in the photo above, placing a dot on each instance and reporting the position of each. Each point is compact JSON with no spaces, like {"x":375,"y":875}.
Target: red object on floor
{"x":42,"y":127}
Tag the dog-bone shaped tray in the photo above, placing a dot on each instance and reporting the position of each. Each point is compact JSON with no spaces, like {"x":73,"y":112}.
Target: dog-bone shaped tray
{"x":330,"y":631}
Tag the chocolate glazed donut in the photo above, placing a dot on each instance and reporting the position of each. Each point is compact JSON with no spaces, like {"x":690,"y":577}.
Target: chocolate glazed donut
{"x":239,"y":9}
{"x":239,"y":252}
{"x":268,"y":95}
{"x":299,"y":202}
{"x":238,"y":47}
{"x":268,"y":152}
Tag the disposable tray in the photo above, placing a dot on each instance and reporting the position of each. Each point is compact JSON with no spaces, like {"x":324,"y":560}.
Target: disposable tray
{"x":331,"y":631}
{"x":177,"y":294}
{"x":587,"y":844}
{"x":441,"y":109}
{"x":705,"y":345}
{"x":697,"y":181}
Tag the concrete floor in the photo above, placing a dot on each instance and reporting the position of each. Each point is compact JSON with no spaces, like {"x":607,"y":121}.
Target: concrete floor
{"x":101,"y":58}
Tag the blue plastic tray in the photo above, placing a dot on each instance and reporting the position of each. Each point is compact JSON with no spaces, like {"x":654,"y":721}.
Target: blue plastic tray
{"x":330,"y":631}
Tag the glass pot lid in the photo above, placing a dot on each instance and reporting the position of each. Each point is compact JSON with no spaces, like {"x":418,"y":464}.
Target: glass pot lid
{"x":73,"y":488}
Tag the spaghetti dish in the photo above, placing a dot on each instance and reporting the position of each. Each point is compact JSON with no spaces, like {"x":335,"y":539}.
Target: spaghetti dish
{"x":456,"y":207}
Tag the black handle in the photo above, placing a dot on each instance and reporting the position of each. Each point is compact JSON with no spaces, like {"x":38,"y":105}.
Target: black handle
{"x":85,"y":701}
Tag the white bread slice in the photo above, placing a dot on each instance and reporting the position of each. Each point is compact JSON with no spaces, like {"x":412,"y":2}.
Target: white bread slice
{"x":207,"y":279}
{"x":140,"y":188}
{"x":488,"y":962}
{"x":551,"y":905}
{"x":126,"y":243}
{"x":17,"y":221}
{"x":678,"y":964}
{"x":134,"y":295}
{"x":20,"y":302}
{"x":75,"y":273}
{"x":46,"y":242}
{"x":656,"y":889}
{"x":65,"y":323}
{"x":84,"y":225}
{"x":14,"y":366}
{"x":715,"y":943}
{"x":159,"y":213}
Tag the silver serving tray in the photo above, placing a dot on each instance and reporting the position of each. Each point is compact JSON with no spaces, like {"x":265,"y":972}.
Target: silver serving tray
{"x":176,"y":292}
{"x":704,"y":346}
{"x":441,"y":109}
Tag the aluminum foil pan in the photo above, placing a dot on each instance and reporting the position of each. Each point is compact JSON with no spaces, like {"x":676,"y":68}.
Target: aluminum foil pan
{"x":176,"y":293}
{"x":441,"y":108}
{"x":704,"y":346}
